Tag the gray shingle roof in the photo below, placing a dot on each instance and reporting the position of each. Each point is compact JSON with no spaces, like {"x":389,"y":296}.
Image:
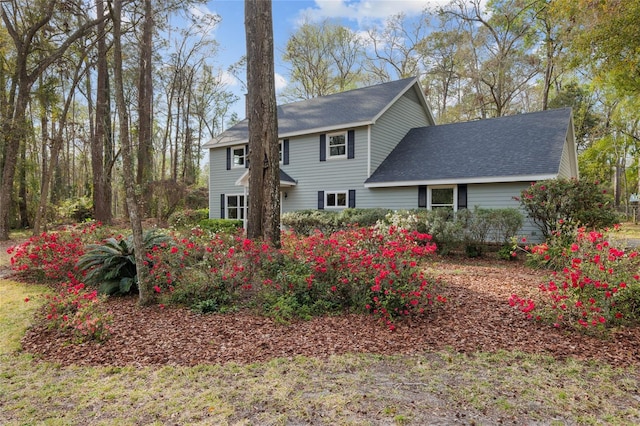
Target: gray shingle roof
{"x":519,"y":145}
{"x":338,"y":111}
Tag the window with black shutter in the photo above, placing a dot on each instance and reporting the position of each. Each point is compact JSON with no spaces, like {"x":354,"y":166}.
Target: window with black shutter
{"x":351,"y":144}
{"x":323,"y":147}
{"x":422,"y":197}
{"x":462,"y":197}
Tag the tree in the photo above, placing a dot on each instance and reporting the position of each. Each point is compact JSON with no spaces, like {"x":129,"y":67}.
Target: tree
{"x":324,"y":58}
{"x":145,"y":292}
{"x":264,"y":169}
{"x":606,"y":38}
{"x":145,"y":106}
{"x":102,"y":148}
{"x":30,"y":33}
{"x":501,"y":38}
{"x":397,"y":49}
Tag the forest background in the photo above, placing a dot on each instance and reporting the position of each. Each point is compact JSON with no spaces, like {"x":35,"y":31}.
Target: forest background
{"x":61,"y":133}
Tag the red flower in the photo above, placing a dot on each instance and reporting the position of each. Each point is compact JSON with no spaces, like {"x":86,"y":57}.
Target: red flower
{"x":26,"y":299}
{"x":157,"y":289}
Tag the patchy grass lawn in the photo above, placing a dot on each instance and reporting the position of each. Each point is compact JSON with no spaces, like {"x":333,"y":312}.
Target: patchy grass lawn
{"x":439,"y":387}
{"x":435,"y":387}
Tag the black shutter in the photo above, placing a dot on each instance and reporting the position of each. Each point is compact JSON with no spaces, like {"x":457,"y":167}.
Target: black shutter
{"x":246,"y":156}
{"x":285,"y":152}
{"x":320,"y":200}
{"x":352,"y":198}
{"x":222,"y":206}
{"x":323,"y":147}
{"x":462,"y":197}
{"x":228,"y":158}
{"x":422,"y":197}
{"x":351,"y":144}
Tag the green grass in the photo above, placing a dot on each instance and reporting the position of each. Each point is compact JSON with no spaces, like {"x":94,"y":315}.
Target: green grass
{"x":436,"y":387}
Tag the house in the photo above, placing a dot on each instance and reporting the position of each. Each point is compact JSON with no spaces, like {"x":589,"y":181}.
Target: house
{"x":379,"y":146}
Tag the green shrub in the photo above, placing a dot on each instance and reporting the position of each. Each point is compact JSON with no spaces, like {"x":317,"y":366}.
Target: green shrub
{"x":77,"y":210}
{"x":305,"y":222}
{"x":577,"y":202}
{"x":187,"y":218}
{"x":361,"y":217}
{"x":220,"y":225}
{"x":111,"y":266}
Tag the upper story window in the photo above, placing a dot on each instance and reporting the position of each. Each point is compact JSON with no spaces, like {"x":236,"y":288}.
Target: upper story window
{"x":337,"y":146}
{"x":238,"y":156}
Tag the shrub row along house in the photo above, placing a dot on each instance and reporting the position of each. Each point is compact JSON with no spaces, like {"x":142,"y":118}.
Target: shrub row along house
{"x":379,"y":146}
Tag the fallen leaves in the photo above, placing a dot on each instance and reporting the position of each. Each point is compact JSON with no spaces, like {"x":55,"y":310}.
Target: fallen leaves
{"x":477,"y":317}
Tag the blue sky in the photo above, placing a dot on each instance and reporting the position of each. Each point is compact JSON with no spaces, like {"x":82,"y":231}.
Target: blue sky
{"x":287,"y":16}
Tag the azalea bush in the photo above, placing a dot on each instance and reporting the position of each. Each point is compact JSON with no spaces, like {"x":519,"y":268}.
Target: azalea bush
{"x":375,"y":270}
{"x":51,"y":256}
{"x":79,"y":310}
{"x":597,"y":285}
{"x":577,"y":202}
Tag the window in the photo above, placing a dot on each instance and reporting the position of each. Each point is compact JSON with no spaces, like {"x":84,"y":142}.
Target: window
{"x":335,"y":199}
{"x":238,"y":156}
{"x":280,"y":151}
{"x":235,"y":207}
{"x":442,"y":198}
{"x":337,"y":145}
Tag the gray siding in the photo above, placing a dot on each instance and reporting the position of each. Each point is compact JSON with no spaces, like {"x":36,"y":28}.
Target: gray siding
{"x":313,"y":175}
{"x":565,"y":164}
{"x":390,"y":198}
{"x":221,"y":180}
{"x":394,"y":124}
{"x":500,"y":196}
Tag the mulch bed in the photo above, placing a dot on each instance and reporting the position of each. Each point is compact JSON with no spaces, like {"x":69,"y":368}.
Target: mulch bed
{"x":476,"y":317}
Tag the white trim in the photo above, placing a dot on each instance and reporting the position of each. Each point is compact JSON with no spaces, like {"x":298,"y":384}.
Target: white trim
{"x":455,"y":195}
{"x":485,"y":179}
{"x":421,"y":96}
{"x":244,"y":207}
{"x":368,"y":151}
{"x":346,"y":200}
{"x":244,"y":181}
{"x":328,"y":156}
{"x":244,"y":156}
{"x":213,"y":144}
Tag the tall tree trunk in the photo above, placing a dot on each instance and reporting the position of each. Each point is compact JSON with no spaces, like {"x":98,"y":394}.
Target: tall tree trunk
{"x":102,"y":134}
{"x":264,"y":168}
{"x":145,"y":108}
{"x":145,"y":292}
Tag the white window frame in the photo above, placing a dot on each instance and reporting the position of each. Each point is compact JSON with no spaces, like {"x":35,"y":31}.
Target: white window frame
{"x":329,"y":146}
{"x":240,"y":207}
{"x":234,"y":164}
{"x":280,"y":148}
{"x":430,"y":205}
{"x":336,"y":194}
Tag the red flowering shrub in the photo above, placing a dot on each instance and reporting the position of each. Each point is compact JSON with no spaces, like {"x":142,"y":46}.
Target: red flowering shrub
{"x":359,"y":270}
{"x":79,"y":310}
{"x":578,"y":202}
{"x":53,"y":255}
{"x":376,"y":270}
{"x":597,"y":286}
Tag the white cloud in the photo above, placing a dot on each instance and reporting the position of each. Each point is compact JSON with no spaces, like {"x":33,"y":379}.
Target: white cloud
{"x":365,"y":10}
{"x":281,"y":82}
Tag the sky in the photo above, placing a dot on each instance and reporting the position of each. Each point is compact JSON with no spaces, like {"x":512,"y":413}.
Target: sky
{"x":287,"y":17}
